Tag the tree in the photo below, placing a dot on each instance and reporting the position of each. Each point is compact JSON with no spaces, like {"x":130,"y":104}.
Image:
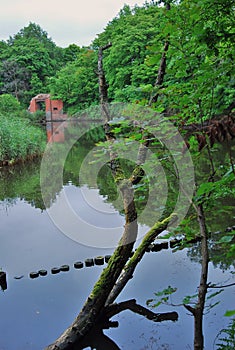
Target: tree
{"x":119,"y":270}
{"x":14,"y":78}
{"x":76,"y":83}
{"x":198,"y":84}
{"x":131,"y":33}
{"x":71,"y":53}
{"x":9,"y":104}
{"x":29,"y":56}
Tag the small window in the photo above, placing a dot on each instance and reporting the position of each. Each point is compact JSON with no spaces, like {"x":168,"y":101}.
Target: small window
{"x":55,"y":109}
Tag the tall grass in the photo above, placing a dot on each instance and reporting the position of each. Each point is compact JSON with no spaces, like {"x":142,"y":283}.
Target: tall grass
{"x":19,"y":139}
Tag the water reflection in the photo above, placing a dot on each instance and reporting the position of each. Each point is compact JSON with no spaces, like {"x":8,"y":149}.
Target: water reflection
{"x":3,"y":280}
{"x":55,"y":131}
{"x":96,"y":339}
{"x":30,"y":241}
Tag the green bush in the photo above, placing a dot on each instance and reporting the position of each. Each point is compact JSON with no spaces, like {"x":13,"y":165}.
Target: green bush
{"x":19,"y":139}
{"x":36,"y":117}
{"x":9,"y":104}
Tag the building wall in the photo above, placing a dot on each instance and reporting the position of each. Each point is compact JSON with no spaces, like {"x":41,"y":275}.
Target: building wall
{"x":33,"y":106}
{"x":53,"y":108}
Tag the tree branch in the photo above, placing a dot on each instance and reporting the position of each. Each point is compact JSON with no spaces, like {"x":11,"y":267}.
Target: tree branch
{"x":129,"y":269}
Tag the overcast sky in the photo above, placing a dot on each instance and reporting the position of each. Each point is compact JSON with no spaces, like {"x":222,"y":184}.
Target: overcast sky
{"x":66,"y":21}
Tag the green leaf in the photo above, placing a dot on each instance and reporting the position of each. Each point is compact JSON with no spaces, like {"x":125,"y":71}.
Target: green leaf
{"x":229,"y":313}
{"x":188,"y":298}
{"x":157,"y":304}
{"x":149,"y":301}
{"x":226,"y":239}
{"x":205,"y":188}
{"x":167,"y":291}
{"x":215,"y":294}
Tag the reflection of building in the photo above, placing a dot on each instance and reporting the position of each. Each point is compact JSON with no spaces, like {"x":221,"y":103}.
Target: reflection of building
{"x":55,"y":131}
{"x":53,"y":108}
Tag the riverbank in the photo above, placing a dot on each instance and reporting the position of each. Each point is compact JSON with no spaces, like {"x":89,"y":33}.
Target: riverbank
{"x":20,"y":140}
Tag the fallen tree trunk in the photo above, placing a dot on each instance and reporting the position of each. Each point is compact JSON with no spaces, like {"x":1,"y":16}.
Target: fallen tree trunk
{"x":129,"y":268}
{"x":98,"y":300}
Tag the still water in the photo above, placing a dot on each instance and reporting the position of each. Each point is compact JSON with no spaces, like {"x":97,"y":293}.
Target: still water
{"x":34,"y":312}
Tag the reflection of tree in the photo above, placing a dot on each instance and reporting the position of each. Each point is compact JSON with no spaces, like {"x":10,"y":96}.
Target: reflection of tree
{"x":198,"y":309}
{"x":122,"y":264}
{"x":218,"y":252}
{"x":21,"y":181}
{"x":96,"y":339}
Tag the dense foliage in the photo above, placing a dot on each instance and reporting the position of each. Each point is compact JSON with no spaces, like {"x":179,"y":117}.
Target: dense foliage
{"x":176,"y":57}
{"x":26,"y":60}
{"x":199,"y":80}
{"x":19,"y":139}
{"x":197,"y":85}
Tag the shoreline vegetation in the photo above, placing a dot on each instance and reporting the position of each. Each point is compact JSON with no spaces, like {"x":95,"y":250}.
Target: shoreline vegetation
{"x":20,"y":139}
{"x":176,"y":58}
{"x":177,"y":61}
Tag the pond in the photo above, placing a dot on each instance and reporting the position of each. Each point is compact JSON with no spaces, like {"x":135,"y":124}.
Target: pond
{"x":35,"y":311}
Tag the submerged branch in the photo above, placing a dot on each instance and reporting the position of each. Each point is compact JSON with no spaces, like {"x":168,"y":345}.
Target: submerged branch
{"x":131,"y":305}
{"x":96,"y":339}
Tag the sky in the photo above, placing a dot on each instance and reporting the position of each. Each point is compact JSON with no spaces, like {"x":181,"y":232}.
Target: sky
{"x":66,"y":21}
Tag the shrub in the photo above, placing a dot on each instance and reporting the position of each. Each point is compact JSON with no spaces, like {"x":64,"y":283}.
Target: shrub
{"x":9,"y":104}
{"x":19,"y":139}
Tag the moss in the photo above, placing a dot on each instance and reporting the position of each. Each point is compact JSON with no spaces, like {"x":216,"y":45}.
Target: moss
{"x":149,"y":237}
{"x":137,"y":175}
{"x":111,"y":271}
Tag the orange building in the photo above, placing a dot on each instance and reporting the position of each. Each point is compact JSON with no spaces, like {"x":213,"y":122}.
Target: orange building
{"x":54,"y":115}
{"x":53,"y":108}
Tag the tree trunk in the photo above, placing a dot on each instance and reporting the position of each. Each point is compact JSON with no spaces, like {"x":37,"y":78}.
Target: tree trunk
{"x":162,"y":66}
{"x":96,"y":303}
{"x":128,"y":270}
{"x":198,"y":310}
{"x":103,"y":87}
{"x":202,"y":290}
{"x":97,"y":299}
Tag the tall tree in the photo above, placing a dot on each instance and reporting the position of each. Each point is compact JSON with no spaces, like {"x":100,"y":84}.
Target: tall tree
{"x":76,"y":83}
{"x":14,"y":78}
{"x":131,"y":32}
{"x":106,"y":289}
{"x":35,"y":55}
{"x":199,"y":75}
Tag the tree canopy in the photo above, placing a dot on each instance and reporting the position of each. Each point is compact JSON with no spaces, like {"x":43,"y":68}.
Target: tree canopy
{"x":199,"y":77}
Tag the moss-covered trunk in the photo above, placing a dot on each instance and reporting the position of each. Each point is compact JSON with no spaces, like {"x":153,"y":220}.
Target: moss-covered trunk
{"x":97,"y":299}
